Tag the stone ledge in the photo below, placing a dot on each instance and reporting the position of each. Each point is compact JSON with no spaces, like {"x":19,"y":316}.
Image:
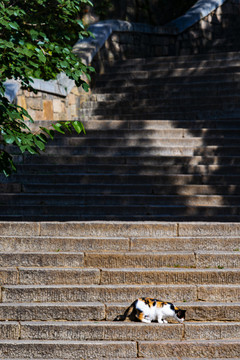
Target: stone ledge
{"x":102,"y":30}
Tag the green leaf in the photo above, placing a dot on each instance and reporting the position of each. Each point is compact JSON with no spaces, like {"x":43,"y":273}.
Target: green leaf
{"x":9,"y":139}
{"x":78,"y":126}
{"x":14,"y":25}
{"x":49,"y":132}
{"x":58,"y":127}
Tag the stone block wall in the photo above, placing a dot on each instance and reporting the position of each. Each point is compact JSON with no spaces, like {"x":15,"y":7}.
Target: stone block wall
{"x":50,"y":107}
{"x":218,"y":31}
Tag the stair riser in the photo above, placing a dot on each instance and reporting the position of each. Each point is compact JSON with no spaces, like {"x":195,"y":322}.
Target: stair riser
{"x":98,"y":260}
{"x":89,"y":244}
{"x":115,"y":142}
{"x":203,"y":78}
{"x":113,"y":277}
{"x":122,"y":332}
{"x":56,"y":259}
{"x":154,"y":104}
{"x":121,"y":229}
{"x":66,"y":312}
{"x":190,"y":349}
{"x":71,"y":350}
{"x":225,"y":111}
{"x":128,"y":169}
{"x":106,"y":200}
{"x":212,"y":293}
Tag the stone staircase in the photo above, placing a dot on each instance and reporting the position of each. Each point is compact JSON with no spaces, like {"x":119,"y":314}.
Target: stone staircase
{"x":62,"y":284}
{"x":162,"y":143}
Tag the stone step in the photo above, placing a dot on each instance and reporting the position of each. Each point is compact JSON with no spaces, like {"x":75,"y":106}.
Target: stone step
{"x":154,"y":106}
{"x":186,"y":113}
{"x":133,"y":160}
{"x":66,"y":200}
{"x":204,"y":348}
{"x":107,"y":259}
{"x":228,"y":214}
{"x":153,"y":63}
{"x":16,"y":243}
{"x":192,"y":141}
{"x":119,"y":179}
{"x":117,"y":293}
{"x":117,"y":168}
{"x":146,"y":151}
{"x":72,"y":213}
{"x":214,"y":56}
{"x":50,"y":259}
{"x":35,"y":349}
{"x":183,"y":190}
{"x":78,"y":244}
{"x":52,"y":311}
{"x":127,"y":230}
{"x":176,"y":276}
{"x":198,"y":259}
{"x":205,"y":126}
{"x":205,"y":78}
{"x":156,"y":72}
{"x":145,"y":134}
{"x":158,"y":276}
{"x":49,"y":276}
{"x":196,"y":311}
{"x":165,"y":89}
{"x":120,"y":349}
{"x":109,"y":331}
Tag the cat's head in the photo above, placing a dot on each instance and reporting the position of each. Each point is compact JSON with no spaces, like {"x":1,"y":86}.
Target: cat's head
{"x":180,"y":314}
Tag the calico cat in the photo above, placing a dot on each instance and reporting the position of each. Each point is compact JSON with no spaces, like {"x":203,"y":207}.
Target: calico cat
{"x":148,"y":309}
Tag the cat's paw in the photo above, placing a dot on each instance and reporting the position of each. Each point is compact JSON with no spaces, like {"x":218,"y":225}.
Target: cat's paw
{"x":165,"y":321}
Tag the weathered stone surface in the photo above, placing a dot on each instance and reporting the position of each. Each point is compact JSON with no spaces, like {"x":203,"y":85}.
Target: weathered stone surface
{"x":146,"y":260}
{"x":204,"y":349}
{"x":56,"y":259}
{"x":108,"y":229}
{"x":212,"y":331}
{"x":212,"y":311}
{"x":9,"y":330}
{"x":48,"y":276}
{"x":219,"y":293}
{"x":209,"y":229}
{"x":47,"y":110}
{"x":185,"y":243}
{"x":104,"y":293}
{"x":67,"y":349}
{"x":12,"y":228}
{"x":104,"y":331}
{"x":53,"y":244}
{"x":52,"y":311}
{"x":8,"y":276}
{"x":218,"y":259}
{"x":169,"y":276}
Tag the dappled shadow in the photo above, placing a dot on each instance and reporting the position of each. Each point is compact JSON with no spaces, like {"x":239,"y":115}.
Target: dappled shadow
{"x":162,"y":143}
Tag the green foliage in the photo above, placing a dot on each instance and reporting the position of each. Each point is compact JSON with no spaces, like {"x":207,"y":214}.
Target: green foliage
{"x":36,"y":39}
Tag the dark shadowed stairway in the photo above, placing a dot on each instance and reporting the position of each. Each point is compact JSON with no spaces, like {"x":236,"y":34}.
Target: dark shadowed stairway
{"x":162,"y":143}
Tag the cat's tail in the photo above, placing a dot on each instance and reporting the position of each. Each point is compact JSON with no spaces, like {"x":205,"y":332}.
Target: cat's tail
{"x":126,"y":314}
